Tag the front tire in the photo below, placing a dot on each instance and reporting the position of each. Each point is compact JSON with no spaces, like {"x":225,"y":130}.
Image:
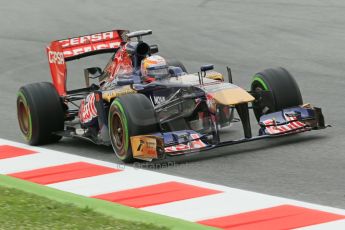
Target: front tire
{"x":130,"y":115}
{"x":281,"y":89}
{"x":40,"y":113}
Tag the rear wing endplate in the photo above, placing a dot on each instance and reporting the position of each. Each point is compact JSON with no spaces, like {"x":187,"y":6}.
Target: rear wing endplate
{"x":61,"y":51}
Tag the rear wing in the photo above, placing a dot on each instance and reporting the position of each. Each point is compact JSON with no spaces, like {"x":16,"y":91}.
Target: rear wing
{"x":61,"y":51}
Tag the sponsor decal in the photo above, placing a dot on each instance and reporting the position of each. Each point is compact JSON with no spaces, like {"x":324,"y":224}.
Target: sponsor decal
{"x":294,"y":124}
{"x":79,"y":45}
{"x":108,"y":95}
{"x":56,"y":57}
{"x":195,"y":144}
{"x":158,"y":99}
{"x":88,"y":48}
{"x":88,"y":39}
{"x":146,"y":147}
{"x":121,"y":64}
{"x":87,"y":109}
{"x":211,"y":103}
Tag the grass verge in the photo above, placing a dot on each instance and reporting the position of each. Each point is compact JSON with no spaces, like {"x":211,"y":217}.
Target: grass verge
{"x":22,"y":210}
{"x":86,"y":204}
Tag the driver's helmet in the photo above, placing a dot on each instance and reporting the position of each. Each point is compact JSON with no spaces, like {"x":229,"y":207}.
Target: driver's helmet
{"x":154,"y":68}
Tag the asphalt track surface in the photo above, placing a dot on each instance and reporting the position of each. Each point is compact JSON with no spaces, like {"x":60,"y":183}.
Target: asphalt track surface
{"x":306,"y":37}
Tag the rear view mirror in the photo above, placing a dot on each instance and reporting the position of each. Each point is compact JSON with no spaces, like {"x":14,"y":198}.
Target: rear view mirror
{"x":93,"y":72}
{"x":205,"y":68}
{"x":175,"y":71}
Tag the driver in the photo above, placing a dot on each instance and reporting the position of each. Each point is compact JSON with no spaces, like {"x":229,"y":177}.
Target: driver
{"x":154,"y":68}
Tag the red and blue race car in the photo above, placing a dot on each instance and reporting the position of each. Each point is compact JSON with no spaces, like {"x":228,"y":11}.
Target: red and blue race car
{"x":148,"y":108}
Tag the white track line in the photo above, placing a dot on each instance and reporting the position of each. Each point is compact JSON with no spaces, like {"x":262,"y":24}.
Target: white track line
{"x":334,"y":225}
{"x":222,"y":204}
{"x":32,"y":161}
{"x":108,"y":183}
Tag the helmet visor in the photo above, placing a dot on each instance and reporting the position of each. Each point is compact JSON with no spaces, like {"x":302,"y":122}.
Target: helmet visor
{"x":161,"y":71}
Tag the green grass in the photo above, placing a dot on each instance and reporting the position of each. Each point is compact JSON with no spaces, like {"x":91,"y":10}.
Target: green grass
{"x":22,"y":210}
{"x":110,"y":209}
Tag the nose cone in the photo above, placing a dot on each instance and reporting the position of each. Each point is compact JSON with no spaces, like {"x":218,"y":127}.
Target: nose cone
{"x":232,"y":96}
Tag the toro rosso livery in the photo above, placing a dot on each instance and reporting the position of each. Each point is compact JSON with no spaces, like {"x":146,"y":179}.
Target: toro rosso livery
{"x":148,"y":108}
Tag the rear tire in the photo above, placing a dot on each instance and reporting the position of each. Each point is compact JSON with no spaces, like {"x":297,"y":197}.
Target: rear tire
{"x":283,"y":91}
{"x":40,"y":113}
{"x":130,"y":115}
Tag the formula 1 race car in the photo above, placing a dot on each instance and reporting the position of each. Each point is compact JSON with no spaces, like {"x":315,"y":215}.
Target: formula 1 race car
{"x":149,"y":108}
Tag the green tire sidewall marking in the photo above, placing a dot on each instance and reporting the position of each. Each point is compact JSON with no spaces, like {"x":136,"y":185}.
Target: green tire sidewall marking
{"x":259,"y":79}
{"x":119,"y":106}
{"x":29,"y":136}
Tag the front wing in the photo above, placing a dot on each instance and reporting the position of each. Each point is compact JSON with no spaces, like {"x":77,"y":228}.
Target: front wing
{"x":287,"y":121}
